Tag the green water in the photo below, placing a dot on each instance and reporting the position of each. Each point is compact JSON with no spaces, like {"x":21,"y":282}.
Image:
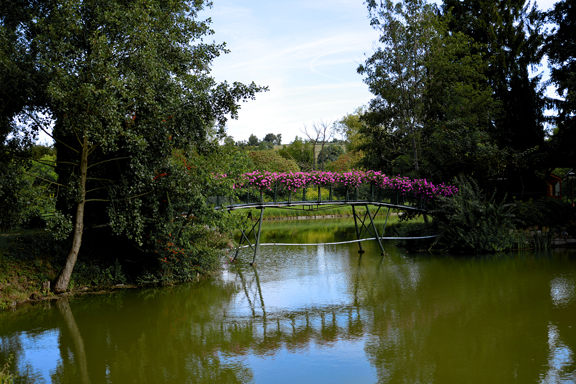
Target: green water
{"x":317,"y":315}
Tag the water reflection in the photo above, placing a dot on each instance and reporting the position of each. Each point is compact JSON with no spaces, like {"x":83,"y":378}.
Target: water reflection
{"x":562,"y":290}
{"x":321,"y":314}
{"x":560,"y":360}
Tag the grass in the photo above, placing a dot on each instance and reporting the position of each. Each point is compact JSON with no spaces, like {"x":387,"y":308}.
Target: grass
{"x":24,"y":265}
{"x":286,"y":213}
{"x":28,"y":258}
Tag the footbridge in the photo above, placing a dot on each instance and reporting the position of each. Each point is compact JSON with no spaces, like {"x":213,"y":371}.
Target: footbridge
{"x":319,"y":191}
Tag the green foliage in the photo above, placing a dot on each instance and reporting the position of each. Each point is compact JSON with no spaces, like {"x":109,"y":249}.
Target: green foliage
{"x":432,"y":110}
{"x":100,"y":276}
{"x":460,"y":150}
{"x":5,"y":376}
{"x":348,"y":127}
{"x":188,"y":249}
{"x":509,"y":36}
{"x":396,"y":72}
{"x":265,"y":146}
{"x":344,"y":163}
{"x":546,"y":212}
{"x":330,"y":153}
{"x":271,"y":161}
{"x":274,"y":139}
{"x":124,"y":87}
{"x":561,"y":50}
{"x":471,"y":222}
{"x":253,"y":140}
{"x":299,"y":151}
{"x":26,"y":187}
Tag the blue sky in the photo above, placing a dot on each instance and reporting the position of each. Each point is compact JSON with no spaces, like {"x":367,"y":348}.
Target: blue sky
{"x":307,"y":53}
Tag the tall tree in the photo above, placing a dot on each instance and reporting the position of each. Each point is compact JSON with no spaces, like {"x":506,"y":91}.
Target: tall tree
{"x":561,"y":51}
{"x":511,"y":38}
{"x":126,"y":84}
{"x":430,"y":91}
{"x":348,"y":127}
{"x":396,"y":72}
{"x":320,"y":133}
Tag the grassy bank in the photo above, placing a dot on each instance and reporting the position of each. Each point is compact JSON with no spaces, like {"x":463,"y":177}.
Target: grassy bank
{"x":30,"y":258}
{"x":294,"y":212}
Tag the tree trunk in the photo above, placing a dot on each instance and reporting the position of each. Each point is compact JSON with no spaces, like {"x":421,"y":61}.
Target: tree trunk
{"x":314,"y":155}
{"x":64,"y":277}
{"x":415,"y":146}
{"x":80,"y":357}
{"x":322,"y":153}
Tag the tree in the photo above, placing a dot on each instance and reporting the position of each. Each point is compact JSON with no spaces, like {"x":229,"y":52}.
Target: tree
{"x":300,"y":152}
{"x":561,"y":50}
{"x":274,"y":139}
{"x":125,"y":87}
{"x":253,"y":140}
{"x":320,"y":133}
{"x":329,"y":154}
{"x":431,"y":98}
{"x":510,"y":37}
{"x":396,"y":72}
{"x":348,"y":128}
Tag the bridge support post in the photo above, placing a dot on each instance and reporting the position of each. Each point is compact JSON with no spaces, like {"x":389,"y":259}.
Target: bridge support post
{"x":258,"y":237}
{"x":385,"y":222}
{"x":356,"y":225}
{"x":375,"y":230}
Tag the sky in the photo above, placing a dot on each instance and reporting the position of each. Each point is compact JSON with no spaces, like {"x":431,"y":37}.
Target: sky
{"x":306,"y":52}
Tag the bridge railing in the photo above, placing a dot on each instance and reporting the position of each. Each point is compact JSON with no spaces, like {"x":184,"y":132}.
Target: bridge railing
{"x":365,"y":193}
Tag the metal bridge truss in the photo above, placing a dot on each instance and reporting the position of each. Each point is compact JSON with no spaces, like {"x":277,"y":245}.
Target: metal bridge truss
{"x":364,"y":224}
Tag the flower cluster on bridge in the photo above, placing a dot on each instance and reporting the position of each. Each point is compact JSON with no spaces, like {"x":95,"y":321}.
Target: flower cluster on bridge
{"x":293,"y":181}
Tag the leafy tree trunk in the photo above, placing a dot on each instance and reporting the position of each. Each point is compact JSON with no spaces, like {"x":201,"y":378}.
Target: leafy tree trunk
{"x":66,"y":272}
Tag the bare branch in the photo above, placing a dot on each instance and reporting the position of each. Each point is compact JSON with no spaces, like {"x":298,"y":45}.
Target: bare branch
{"x":105,"y":161}
{"x":46,"y":180}
{"x":95,"y":189}
{"x":46,"y":132}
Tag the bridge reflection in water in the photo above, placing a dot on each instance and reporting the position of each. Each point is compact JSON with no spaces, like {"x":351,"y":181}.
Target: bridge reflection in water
{"x":366,"y":196}
{"x":321,"y":315}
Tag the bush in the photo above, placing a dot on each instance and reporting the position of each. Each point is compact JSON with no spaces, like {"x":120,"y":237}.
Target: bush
{"x":470,"y":222}
{"x":546,"y":212}
{"x":271,"y":161}
{"x":410,"y":229}
{"x":186,"y":251}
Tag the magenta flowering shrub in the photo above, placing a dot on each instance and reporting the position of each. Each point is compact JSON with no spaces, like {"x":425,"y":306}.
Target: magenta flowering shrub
{"x":419,"y":188}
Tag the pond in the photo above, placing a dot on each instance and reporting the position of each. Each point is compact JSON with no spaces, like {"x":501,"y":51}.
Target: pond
{"x":321,"y":314}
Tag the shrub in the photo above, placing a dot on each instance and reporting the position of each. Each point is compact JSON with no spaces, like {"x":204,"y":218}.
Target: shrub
{"x":548,"y":212}
{"x":470,"y":222}
{"x":271,"y":161}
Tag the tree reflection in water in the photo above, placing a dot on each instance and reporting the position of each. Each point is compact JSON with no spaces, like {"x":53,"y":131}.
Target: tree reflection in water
{"x":497,"y":319}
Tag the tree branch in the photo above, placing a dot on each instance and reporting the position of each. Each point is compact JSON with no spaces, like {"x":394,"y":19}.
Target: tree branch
{"x":46,"y":180}
{"x":104,"y":161}
{"x":46,"y":132}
